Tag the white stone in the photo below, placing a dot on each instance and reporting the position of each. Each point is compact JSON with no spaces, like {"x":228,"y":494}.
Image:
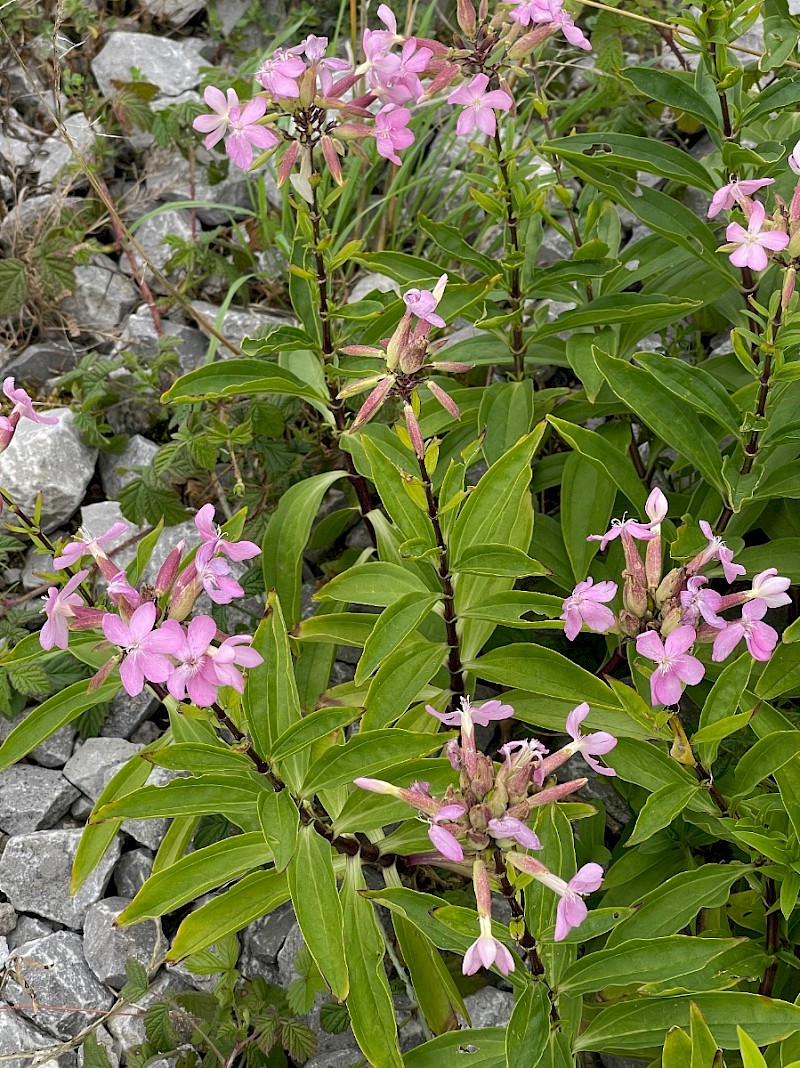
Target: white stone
{"x":238,"y":323}
{"x":118,"y":469}
{"x":56,"y":153}
{"x":176,"y":12}
{"x":102,"y":298}
{"x":107,"y":947}
{"x":151,"y":237}
{"x":32,"y":798}
{"x":51,"y":460}
{"x":174,"y":66}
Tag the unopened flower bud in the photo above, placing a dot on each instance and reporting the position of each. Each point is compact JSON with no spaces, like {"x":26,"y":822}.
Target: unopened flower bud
{"x":465,"y":14}
{"x":671,"y":619}
{"x":634,"y":595}
{"x":788,"y":287}
{"x":629,"y":623}
{"x":671,"y":585}
{"x":169,"y":569}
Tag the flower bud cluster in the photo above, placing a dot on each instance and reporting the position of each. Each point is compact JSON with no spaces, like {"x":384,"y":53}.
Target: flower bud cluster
{"x":146,"y":625}
{"x":22,"y":409}
{"x":490,"y":808}
{"x":668,"y":615}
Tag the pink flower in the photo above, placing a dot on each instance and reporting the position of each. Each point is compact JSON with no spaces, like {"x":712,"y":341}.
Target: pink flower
{"x":486,"y":950}
{"x":656,"y":508}
{"x":396,"y":78}
{"x":483,"y":714}
{"x":278,"y":74}
{"x":794,"y":158}
{"x":549,"y":12}
{"x":191,"y":653}
{"x":144,"y":648}
{"x":212,"y":535}
{"x":571,"y":911}
{"x":586,"y":605}
{"x":246,"y":133}
{"x":59,"y":608}
{"x":216,"y":124}
{"x":213,"y":575}
{"x":598,"y":743}
{"x":444,"y":840}
{"x":697,"y":602}
{"x":674,"y":666}
{"x":734,"y":193}
{"x":479,"y":106}
{"x":631,"y":528}
{"x":716,"y":550}
{"x":120,"y":590}
{"x":233,"y":653}
{"x":770,"y":589}
{"x":392,"y":133}
{"x":759,"y":637}
{"x":753,"y":241}
{"x":423,"y":303}
{"x":23,"y":406}
{"x":516,"y":830}
{"x":83,"y":544}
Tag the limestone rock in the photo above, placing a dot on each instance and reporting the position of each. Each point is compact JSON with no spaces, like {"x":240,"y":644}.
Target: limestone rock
{"x":175,"y":12}
{"x":102,"y":298}
{"x":8,"y":918}
{"x":108,"y":947}
{"x":490,"y":1007}
{"x":32,"y":798}
{"x":18,"y":1035}
{"x":133,"y":869}
{"x":53,"y":752}
{"x":55,"y":153}
{"x":129,"y":1030}
{"x":37,"y":364}
{"x":35,"y":871}
{"x":151,"y":236}
{"x":174,"y":66}
{"x":238,"y":323}
{"x":96,"y":762}
{"x":126,"y":714}
{"x":140,"y":336}
{"x":28,"y":929}
{"x":56,"y":969}
{"x":118,"y":469}
{"x":48,"y":459}
{"x":97,"y":518}
{"x":263,"y":940}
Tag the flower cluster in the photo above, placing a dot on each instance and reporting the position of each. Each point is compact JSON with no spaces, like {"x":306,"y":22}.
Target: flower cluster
{"x":668,"y":616}
{"x":146,"y":626}
{"x":749,"y":246}
{"x":490,"y":808}
{"x":405,"y":354}
{"x":23,"y":409}
{"x":308,"y":98}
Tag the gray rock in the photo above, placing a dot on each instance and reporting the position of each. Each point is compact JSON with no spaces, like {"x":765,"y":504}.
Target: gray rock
{"x":105,"y":1040}
{"x":17,"y":1036}
{"x":35,"y":871}
{"x":129,"y":1030}
{"x":96,"y":519}
{"x":36,"y":364}
{"x":348,"y":1057}
{"x":56,"y":153}
{"x":96,"y":762}
{"x":32,"y":798}
{"x":118,"y":469}
{"x":292,"y":944}
{"x":8,"y":918}
{"x":263,"y":940}
{"x":151,"y":237}
{"x":174,"y":66}
{"x":33,"y":216}
{"x":490,"y":1007}
{"x":51,"y":460}
{"x":132,"y":871}
{"x":238,"y":323}
{"x":140,"y":336}
{"x":368,"y":282}
{"x":126,"y":714}
{"x":176,"y":12}
{"x":81,"y":809}
{"x":28,"y":929}
{"x":108,"y":947}
{"x":144,"y":735}
{"x":54,"y":752}
{"x":170,"y":537}
{"x":15,"y":151}
{"x":102,"y":298}
{"x":56,"y":969}
{"x":37,"y":565}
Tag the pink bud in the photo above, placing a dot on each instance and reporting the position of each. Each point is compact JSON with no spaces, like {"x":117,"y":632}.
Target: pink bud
{"x":414,"y":431}
{"x":445,"y":400}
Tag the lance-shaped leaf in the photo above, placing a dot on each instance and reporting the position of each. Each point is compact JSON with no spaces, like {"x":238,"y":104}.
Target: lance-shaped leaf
{"x":242,"y":378}
{"x":399,"y":681}
{"x":529,"y":1027}
{"x":280,"y":823}
{"x":366,"y":754}
{"x":393,"y":628}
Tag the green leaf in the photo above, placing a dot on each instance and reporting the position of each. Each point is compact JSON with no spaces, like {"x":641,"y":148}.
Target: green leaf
{"x":13,"y":286}
{"x":241,"y":378}
{"x":199,"y":795}
{"x":480,"y":1048}
{"x":619,"y":308}
{"x":647,"y":960}
{"x":195,"y":874}
{"x":632,"y":153}
{"x":148,"y":499}
{"x":436,"y":993}
{"x":302,"y":734}
{"x":509,"y":608}
{"x":665,"y":414}
{"x":137,"y":981}
{"x":674,"y":89}
{"x":694,"y":386}
{"x":499,"y":561}
{"x":248,"y":900}
{"x":144,"y":550}
{"x":587,"y":500}
{"x":366,"y":754}
{"x":767,"y":722}
{"x":370,"y":1001}
{"x":393,"y":628}
{"x":752,"y":1056}
{"x":765,"y":757}
{"x":542,"y":671}
{"x":200,"y":757}
{"x":312,"y":884}
{"x":280,"y":823}
{"x":380,"y":583}
{"x":270,"y":702}
{"x":400,"y":680}
{"x":337,"y":628}
{"x":506,"y":413}
{"x":781,"y":675}
{"x":95,"y":1055}
{"x":605,"y":457}
{"x":56,"y":712}
{"x":783,"y":93}
{"x":639,"y":1023}
{"x":286,"y":537}
{"x":660,"y":809}
{"x":529,"y":1027}
{"x":158,"y":1027}
{"x":674,"y":904}
{"x":721,"y":704}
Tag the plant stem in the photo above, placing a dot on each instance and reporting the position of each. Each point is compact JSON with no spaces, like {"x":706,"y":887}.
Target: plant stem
{"x":773,"y":922}
{"x":454,"y":664}
{"x":517,"y":343}
{"x":617,"y":657}
{"x":357,"y":481}
{"x":556,"y":162}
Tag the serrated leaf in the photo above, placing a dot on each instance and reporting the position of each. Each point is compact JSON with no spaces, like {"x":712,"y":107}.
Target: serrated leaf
{"x":13,"y":286}
{"x":137,"y":983}
{"x":159,"y":1029}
